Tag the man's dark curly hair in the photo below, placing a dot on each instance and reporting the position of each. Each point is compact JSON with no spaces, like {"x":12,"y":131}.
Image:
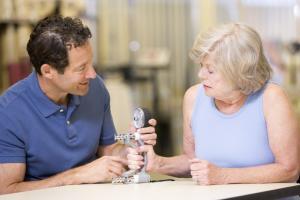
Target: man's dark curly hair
{"x":51,"y":39}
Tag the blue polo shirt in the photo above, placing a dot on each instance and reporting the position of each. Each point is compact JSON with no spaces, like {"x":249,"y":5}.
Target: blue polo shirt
{"x":51,"y":138}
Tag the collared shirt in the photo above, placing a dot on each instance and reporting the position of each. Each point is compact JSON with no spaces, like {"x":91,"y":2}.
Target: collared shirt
{"x":51,"y":138}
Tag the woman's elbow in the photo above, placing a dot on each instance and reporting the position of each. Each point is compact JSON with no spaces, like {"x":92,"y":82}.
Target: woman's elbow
{"x":292,"y":173}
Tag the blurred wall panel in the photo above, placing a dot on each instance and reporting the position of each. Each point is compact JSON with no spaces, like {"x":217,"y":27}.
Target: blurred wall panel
{"x":90,"y":18}
{"x":6,"y":9}
{"x":165,"y":24}
{"x":9,"y":50}
{"x":204,"y":15}
{"x":274,"y":20}
{"x":120,"y":103}
{"x":113,"y":33}
{"x":23,"y":33}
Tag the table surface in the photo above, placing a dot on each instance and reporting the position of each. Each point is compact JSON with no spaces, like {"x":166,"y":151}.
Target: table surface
{"x":178,"y":189}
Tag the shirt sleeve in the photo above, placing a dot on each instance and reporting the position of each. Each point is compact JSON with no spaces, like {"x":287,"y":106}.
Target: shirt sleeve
{"x":12,"y":148}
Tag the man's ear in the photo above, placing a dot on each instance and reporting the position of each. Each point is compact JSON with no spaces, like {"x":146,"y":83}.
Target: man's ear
{"x":47,"y":71}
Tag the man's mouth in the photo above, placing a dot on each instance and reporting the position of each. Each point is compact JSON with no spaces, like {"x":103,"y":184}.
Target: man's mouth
{"x":84,"y":83}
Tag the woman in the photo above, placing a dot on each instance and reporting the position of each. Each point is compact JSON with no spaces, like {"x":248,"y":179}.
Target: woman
{"x":238,"y":126}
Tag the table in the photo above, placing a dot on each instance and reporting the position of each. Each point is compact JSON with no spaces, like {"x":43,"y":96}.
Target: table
{"x":179,"y":189}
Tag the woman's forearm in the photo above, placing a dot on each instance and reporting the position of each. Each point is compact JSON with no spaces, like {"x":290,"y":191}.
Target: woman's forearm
{"x":270,"y":173}
{"x":174,"y":166}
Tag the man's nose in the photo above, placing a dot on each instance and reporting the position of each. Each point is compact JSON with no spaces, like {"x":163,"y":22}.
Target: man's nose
{"x":91,"y":73}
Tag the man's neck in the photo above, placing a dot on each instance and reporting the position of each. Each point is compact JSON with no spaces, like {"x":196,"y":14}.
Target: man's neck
{"x":51,"y":91}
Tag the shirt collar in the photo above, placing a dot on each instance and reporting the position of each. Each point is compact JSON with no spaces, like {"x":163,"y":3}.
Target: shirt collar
{"x":42,"y":102}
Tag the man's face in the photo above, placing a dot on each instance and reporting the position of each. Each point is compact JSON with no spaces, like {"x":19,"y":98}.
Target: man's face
{"x":76,"y":77}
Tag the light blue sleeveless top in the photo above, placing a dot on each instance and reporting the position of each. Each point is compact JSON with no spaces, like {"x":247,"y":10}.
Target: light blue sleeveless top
{"x":231,"y":140}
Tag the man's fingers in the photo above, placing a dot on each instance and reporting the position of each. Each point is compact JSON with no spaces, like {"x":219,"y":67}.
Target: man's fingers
{"x":117,"y":159}
{"x":151,"y":136}
{"x":119,"y":164}
{"x":150,"y":142}
{"x":135,"y":157}
{"x":132,"y":151}
{"x":152,"y":122}
{"x":134,"y":167}
{"x":131,"y":127}
{"x":148,"y":135}
{"x":136,"y":162}
{"x":117,"y":170}
{"x":146,"y":130}
{"x":194,"y":160}
{"x":145,"y":148}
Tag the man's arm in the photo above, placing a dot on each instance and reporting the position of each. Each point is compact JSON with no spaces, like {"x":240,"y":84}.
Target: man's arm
{"x":148,"y":135}
{"x":115,"y":149}
{"x":101,"y":170}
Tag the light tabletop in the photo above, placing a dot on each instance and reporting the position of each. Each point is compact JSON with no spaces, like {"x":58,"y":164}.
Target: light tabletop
{"x":179,"y":189}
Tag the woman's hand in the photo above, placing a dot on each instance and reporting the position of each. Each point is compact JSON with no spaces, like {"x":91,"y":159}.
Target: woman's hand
{"x":206,"y":173}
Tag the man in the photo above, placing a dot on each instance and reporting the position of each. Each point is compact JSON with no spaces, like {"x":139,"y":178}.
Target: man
{"x":55,"y":126}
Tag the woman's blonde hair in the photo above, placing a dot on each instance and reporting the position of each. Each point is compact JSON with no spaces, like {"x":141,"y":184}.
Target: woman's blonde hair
{"x":237,"y":51}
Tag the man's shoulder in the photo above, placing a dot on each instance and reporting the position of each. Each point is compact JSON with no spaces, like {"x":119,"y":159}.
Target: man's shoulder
{"x":13,"y":95}
{"x":97,"y":86}
{"x":98,"y":82}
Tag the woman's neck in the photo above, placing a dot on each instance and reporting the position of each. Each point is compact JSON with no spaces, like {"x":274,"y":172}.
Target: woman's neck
{"x":231,"y":104}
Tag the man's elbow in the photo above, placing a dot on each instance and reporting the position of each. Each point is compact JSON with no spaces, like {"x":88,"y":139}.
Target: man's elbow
{"x":8,"y":189}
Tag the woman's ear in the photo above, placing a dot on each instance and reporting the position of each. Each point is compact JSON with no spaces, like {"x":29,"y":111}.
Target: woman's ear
{"x":47,"y":71}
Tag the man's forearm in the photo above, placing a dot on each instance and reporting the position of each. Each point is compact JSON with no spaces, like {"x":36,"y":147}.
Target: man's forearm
{"x":113,"y":150}
{"x":70,"y":177}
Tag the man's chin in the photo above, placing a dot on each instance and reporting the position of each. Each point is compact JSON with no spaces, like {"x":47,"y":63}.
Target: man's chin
{"x":84,"y":93}
{"x":81,"y":92}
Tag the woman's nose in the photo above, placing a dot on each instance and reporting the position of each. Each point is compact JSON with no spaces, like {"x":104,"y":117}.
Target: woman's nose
{"x":201,"y":73}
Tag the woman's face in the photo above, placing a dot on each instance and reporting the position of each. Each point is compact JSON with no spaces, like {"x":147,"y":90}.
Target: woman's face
{"x":214,"y":83}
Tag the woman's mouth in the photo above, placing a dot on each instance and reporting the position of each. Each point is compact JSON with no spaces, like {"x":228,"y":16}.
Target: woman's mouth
{"x":206,"y":86}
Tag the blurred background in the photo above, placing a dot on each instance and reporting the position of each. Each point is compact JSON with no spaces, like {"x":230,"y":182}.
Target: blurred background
{"x":141,"y":49}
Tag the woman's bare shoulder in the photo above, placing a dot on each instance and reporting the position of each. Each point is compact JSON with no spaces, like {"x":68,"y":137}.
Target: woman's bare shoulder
{"x":276,"y":100}
{"x":192,"y":92}
{"x":274,"y":93}
{"x":190,"y":98}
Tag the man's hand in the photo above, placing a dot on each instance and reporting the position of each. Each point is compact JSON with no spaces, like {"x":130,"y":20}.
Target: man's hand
{"x":136,"y":160}
{"x":100,"y":170}
{"x":103,"y":169}
{"x":148,"y":134}
{"x":205,"y":173}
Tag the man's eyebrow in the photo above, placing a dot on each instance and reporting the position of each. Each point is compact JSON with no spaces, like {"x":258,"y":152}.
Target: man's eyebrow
{"x":81,"y":64}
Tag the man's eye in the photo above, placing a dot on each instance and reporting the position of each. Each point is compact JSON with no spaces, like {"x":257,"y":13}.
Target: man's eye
{"x":81,"y":68}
